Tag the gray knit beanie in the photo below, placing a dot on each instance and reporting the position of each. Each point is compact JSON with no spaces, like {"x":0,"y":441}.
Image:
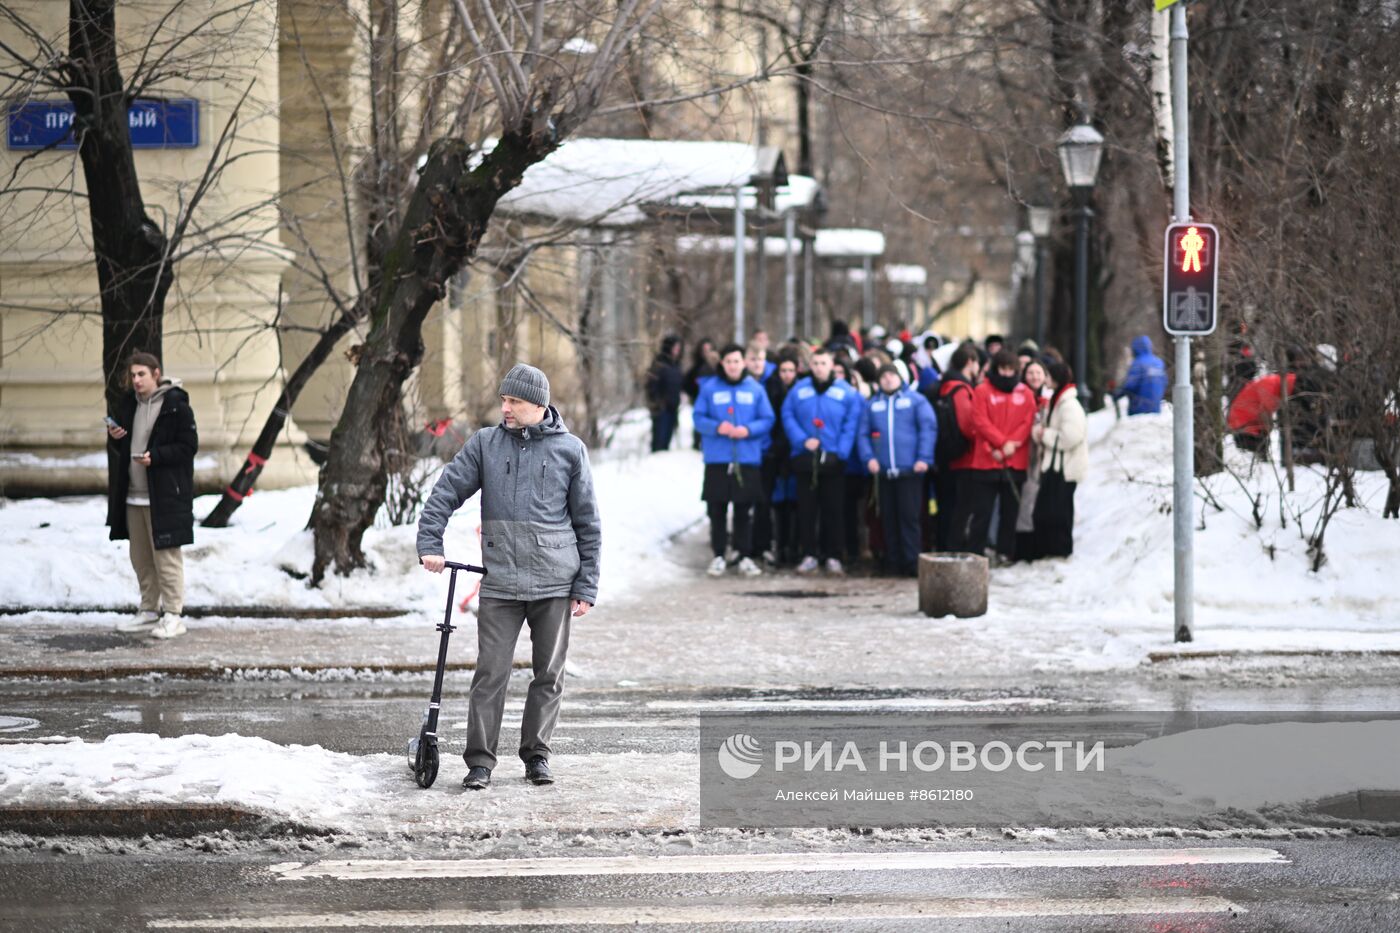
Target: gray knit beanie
{"x":527,"y":382}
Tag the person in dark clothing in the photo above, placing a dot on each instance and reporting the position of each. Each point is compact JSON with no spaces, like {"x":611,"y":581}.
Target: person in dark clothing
{"x":842,"y":340}
{"x":152,"y":440}
{"x":855,"y":505}
{"x":663,"y":392}
{"x":775,"y":528}
{"x":704,"y":363}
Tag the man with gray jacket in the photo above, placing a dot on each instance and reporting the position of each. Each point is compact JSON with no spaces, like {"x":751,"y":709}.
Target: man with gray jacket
{"x":540,"y":541}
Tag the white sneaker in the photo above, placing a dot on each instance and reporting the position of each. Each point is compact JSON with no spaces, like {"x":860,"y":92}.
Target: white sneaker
{"x":717,"y":567}
{"x":169,"y":626}
{"x":770,"y":558}
{"x":748,"y":568}
{"x":833,"y":566}
{"x":808,"y":565}
{"x":143,"y":621}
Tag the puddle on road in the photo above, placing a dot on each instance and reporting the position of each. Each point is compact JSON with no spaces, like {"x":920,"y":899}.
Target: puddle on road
{"x":17,"y":723}
{"x":95,"y":641}
{"x":789,"y":594}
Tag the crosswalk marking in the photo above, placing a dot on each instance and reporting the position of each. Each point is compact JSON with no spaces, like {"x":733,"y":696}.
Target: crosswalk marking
{"x":691,"y":915}
{"x":379,"y":869}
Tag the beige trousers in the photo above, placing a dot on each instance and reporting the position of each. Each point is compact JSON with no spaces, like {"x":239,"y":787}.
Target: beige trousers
{"x":161,"y":574}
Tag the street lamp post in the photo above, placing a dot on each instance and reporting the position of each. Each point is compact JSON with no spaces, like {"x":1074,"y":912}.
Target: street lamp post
{"x":1025,"y":259}
{"x":1039,"y":219}
{"x":1081,"y":148}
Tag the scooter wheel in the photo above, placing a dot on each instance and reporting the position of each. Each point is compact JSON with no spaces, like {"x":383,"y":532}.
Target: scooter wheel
{"x":428,"y":767}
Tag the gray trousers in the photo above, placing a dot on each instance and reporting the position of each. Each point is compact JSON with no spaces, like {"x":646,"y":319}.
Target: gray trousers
{"x":497,"y":630}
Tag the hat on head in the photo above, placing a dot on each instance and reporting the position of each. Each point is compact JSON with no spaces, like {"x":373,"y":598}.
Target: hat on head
{"x":527,"y":382}
{"x":889,"y":368}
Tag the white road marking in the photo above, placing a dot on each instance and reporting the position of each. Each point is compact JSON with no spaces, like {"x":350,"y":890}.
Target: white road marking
{"x":691,"y":915}
{"x":379,"y":869}
{"x":564,"y":725}
{"x":902,"y":704}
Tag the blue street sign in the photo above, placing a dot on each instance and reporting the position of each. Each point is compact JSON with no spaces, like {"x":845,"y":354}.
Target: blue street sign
{"x":155,"y":124}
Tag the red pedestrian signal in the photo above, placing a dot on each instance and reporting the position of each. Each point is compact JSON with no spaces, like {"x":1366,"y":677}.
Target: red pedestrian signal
{"x":1189,"y":279}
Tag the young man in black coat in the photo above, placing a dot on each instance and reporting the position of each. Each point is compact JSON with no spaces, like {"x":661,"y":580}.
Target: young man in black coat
{"x":151,"y":445}
{"x":663,"y":393}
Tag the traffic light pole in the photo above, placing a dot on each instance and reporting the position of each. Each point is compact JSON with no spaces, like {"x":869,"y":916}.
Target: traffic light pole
{"x":1183,"y":405}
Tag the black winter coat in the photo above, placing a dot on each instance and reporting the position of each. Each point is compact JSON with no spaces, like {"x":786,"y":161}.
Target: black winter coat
{"x":173,"y":444}
{"x":663,"y":385}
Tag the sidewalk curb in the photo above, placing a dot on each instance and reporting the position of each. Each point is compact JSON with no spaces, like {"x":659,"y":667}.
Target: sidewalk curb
{"x":227,"y":612}
{"x":225,"y":672}
{"x":1157,"y":657}
{"x":152,"y":819}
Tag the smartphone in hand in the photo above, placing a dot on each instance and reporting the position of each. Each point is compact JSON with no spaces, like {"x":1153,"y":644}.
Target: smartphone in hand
{"x":110,"y":422}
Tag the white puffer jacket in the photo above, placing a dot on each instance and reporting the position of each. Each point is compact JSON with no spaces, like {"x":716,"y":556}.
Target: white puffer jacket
{"x":1065,"y":442}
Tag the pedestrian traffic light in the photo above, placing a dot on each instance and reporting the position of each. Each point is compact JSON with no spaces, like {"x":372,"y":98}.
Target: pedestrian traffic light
{"x":1190,"y":274}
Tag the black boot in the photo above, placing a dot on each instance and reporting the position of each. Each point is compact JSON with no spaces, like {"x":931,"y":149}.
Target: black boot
{"x":537,"y":771}
{"x":478,"y":778}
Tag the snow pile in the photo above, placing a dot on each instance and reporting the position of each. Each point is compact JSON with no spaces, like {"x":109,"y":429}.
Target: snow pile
{"x":606,"y":181}
{"x":1111,"y":603}
{"x":837,"y":242}
{"x":1181,"y":780}
{"x":301,"y":782}
{"x":317,"y":788}
{"x":56,"y":552}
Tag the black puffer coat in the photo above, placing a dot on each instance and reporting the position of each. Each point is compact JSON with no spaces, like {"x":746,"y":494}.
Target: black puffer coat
{"x":173,"y":444}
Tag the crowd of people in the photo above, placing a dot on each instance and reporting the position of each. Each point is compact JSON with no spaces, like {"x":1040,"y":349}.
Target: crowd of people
{"x":884,"y":445}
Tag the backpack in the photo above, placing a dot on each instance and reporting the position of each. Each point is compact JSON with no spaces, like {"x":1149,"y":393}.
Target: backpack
{"x":952,"y":443}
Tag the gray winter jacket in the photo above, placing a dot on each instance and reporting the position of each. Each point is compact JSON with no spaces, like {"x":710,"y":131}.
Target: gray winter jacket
{"x":541,"y":535}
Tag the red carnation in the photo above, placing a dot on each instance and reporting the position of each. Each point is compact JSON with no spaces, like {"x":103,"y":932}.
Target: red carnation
{"x":819,"y":423}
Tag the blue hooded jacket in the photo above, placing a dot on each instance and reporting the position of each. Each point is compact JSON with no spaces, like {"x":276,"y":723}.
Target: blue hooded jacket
{"x":906,"y":427}
{"x":1146,"y":383}
{"x":751,"y":409}
{"x":838,"y":408}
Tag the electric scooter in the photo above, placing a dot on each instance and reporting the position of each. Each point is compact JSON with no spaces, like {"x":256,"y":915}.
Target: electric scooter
{"x":423,"y":750}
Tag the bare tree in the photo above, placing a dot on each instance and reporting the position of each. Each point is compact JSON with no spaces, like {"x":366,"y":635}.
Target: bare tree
{"x":135,"y":256}
{"x":539,"y":96}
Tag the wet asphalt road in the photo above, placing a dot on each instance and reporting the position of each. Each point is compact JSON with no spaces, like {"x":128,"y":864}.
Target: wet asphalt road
{"x":1349,"y":885}
{"x":1324,"y":884}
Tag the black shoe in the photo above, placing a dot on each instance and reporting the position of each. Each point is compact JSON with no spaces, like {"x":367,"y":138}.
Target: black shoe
{"x":537,"y":771}
{"x":478,"y":778}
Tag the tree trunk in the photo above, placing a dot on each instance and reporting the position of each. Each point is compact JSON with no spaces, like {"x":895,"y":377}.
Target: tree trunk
{"x":442,"y":228}
{"x":804,"y":119}
{"x":241,"y":486}
{"x":133,"y":273}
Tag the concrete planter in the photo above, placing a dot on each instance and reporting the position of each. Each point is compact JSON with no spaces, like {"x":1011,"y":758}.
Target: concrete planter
{"x":953,"y":584}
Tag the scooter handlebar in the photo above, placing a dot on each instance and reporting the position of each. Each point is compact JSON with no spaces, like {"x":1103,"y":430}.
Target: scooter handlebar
{"x":470,"y":568}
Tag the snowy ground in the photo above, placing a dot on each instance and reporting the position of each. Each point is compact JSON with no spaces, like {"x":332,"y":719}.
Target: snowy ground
{"x":56,"y":552}
{"x":1192,"y":778}
{"x":1101,"y":611}
{"x":1104,"y":609}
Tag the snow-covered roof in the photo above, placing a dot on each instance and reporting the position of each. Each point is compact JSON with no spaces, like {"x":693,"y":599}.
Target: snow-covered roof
{"x":902,"y":274}
{"x":799,"y":193}
{"x":849,"y":242}
{"x":773,"y":246}
{"x":606,"y":182}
